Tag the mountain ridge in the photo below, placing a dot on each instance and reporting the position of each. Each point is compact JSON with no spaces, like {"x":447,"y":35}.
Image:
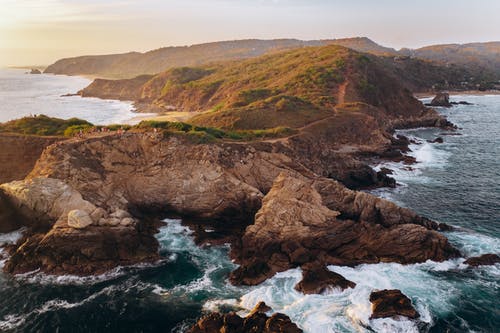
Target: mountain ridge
{"x":480,"y":59}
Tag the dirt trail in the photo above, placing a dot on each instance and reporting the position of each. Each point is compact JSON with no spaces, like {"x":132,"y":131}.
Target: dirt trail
{"x":341,"y":93}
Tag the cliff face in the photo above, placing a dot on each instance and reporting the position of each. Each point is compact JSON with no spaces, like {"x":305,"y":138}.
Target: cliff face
{"x":19,"y":154}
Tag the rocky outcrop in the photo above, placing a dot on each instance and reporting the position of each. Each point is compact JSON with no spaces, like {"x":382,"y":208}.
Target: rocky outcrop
{"x":483,"y":260}
{"x":317,"y":279}
{"x":19,"y":154}
{"x":302,"y":221}
{"x":391,"y":303}
{"x":256,"y":321}
{"x":302,"y":217}
{"x":70,"y":235}
{"x":441,"y":99}
{"x":35,"y":71}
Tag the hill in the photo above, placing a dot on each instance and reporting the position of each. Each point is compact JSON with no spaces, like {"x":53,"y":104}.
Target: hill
{"x":482,"y":59}
{"x":132,"y":64}
{"x":291,"y":88}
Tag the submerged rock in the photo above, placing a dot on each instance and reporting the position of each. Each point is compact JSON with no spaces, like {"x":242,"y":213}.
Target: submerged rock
{"x":391,"y":303}
{"x":484,"y":260}
{"x":256,"y":322}
{"x":317,"y":279}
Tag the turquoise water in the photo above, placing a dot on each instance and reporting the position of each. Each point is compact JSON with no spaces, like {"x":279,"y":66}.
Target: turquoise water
{"x":457,"y":182}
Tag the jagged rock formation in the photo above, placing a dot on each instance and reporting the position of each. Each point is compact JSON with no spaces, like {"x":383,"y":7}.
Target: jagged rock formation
{"x":317,"y":279}
{"x":303,"y":220}
{"x":256,"y":321}
{"x":391,"y":303}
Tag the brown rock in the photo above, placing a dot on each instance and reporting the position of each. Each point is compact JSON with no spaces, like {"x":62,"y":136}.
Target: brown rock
{"x":441,"y":99}
{"x":256,"y":322}
{"x":93,"y":250}
{"x":485,"y":259}
{"x":294,"y":226}
{"x":391,"y":303}
{"x":316,"y":279}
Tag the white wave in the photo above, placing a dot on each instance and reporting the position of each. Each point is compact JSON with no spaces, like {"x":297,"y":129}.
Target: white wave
{"x":37,"y":277}
{"x":215,"y":305}
{"x":177,"y":239}
{"x":11,"y":237}
{"x":431,"y":293}
{"x":474,"y":244}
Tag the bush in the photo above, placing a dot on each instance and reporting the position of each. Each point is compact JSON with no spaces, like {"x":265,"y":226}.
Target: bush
{"x":76,"y":129}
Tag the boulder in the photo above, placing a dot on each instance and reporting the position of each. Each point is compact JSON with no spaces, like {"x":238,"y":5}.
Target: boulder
{"x":256,"y":322}
{"x":391,"y":303}
{"x":78,"y":219}
{"x":484,"y":260}
{"x":46,"y":198}
{"x":317,"y":279}
{"x":120,"y":214}
{"x":441,"y":99}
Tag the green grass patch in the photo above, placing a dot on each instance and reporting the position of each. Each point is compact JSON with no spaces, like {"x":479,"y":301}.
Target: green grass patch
{"x":44,"y":125}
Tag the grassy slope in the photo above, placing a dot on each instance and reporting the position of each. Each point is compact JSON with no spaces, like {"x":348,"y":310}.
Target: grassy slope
{"x":289,"y":89}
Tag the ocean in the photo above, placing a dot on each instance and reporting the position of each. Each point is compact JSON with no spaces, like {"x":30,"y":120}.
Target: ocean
{"x":25,"y":94}
{"x":457,"y":182}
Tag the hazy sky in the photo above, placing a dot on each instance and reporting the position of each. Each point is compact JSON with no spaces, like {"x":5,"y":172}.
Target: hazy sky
{"x":41,"y":31}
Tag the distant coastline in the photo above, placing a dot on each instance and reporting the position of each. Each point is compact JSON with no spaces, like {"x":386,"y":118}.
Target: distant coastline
{"x":458,"y":93}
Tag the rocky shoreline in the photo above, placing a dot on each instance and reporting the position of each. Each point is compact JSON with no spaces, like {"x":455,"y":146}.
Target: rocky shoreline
{"x":282,"y":204}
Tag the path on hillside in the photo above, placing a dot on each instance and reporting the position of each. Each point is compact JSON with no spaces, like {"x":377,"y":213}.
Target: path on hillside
{"x":341,"y":93}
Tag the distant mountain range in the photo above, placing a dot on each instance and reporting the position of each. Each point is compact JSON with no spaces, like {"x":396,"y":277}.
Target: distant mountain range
{"x":480,"y":60}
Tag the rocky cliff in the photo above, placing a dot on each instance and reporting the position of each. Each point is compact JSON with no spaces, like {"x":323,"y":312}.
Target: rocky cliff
{"x":88,"y":194}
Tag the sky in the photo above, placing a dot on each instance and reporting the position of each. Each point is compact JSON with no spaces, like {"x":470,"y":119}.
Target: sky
{"x":38,"y":32}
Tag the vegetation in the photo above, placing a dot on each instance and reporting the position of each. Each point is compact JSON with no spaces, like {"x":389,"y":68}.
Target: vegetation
{"x":43,"y":125}
{"x":205,"y":134}
{"x":46,"y":126}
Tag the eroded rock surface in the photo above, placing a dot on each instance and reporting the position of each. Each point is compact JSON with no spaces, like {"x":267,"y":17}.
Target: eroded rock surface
{"x":297,"y":225}
{"x":391,"y":303}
